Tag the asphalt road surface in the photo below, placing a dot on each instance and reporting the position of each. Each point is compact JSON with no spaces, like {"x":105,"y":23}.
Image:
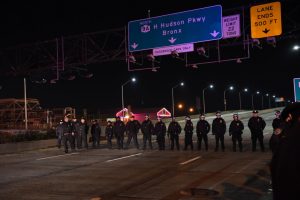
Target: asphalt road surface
{"x":137,"y":175}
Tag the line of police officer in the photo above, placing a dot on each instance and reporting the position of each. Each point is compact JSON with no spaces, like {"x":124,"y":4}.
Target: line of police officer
{"x":75,"y":133}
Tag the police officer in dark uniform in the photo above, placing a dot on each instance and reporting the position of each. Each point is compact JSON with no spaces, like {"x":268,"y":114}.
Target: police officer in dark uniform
{"x":77,"y":137}
{"x":147,"y":129}
{"x":276,"y":136}
{"x":109,"y":132}
{"x":188,"y":129}
{"x":59,"y":133}
{"x":67,"y":133}
{"x":160,"y":132}
{"x":119,"y":129}
{"x":236,"y":130}
{"x":219,"y":129}
{"x":202,"y":130}
{"x":96,"y":133}
{"x":83,"y":132}
{"x":174,"y":130}
{"x":285,"y":162}
{"x":132,"y":129}
{"x":257,"y":125}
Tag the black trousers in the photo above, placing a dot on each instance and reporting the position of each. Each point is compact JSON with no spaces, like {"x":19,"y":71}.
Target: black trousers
{"x":120,"y":139}
{"x":147,"y":137}
{"x":134,"y":137}
{"x":175,"y":139}
{"x":67,"y":138}
{"x":96,"y":140}
{"x":59,"y":140}
{"x":84,"y":141}
{"x":78,"y":139}
{"x":188,"y":141}
{"x":109,"y":143}
{"x":204,"y":138}
{"x":260,"y":137}
{"x":221,"y":139}
{"x":237,"y":138}
{"x":161,"y":141}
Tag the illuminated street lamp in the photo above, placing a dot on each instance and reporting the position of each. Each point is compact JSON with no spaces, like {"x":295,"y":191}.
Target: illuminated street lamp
{"x":225,"y":103}
{"x":179,"y":84}
{"x":252,"y":99}
{"x":296,"y":47}
{"x":211,"y":86}
{"x":269,"y":98}
{"x":191,"y":110}
{"x":180,"y":106}
{"x":122,"y":87}
{"x":240,"y":98}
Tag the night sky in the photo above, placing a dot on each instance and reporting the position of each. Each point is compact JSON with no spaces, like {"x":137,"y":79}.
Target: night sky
{"x":269,"y":70}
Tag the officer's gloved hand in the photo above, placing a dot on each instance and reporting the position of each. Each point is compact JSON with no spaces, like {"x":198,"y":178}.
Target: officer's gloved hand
{"x":230,"y":133}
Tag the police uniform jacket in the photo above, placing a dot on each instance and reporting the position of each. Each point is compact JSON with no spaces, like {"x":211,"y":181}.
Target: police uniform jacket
{"x":203,"y":127}
{"x":147,"y":127}
{"x":160,"y":129}
{"x":174,"y":128}
{"x":236,"y":128}
{"x":219,"y":126}
{"x":256,"y":124}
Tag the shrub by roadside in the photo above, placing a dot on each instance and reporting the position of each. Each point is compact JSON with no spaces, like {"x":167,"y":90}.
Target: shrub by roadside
{"x":30,"y":135}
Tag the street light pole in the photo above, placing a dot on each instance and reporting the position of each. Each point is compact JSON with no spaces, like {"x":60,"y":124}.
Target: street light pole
{"x":25,"y":104}
{"x":262,"y":101}
{"x":240,"y":99}
{"x":252,"y":103}
{"x":122,"y":89}
{"x":173,"y":106}
{"x":203,"y":97}
{"x":225,"y":103}
{"x":225,"y":107}
{"x":173,"y":102}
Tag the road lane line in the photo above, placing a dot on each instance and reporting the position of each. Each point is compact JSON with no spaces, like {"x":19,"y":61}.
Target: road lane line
{"x":121,"y":158}
{"x":191,"y":160}
{"x":233,"y":174}
{"x":50,"y":157}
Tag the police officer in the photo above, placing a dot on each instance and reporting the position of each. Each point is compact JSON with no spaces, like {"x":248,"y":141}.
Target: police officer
{"x":67,"y":133}
{"x":77,"y":137}
{"x":236,"y":130}
{"x":174,"y":129}
{"x":119,"y":129}
{"x":276,"y":136}
{"x":96,"y":133}
{"x":188,"y":129}
{"x":219,"y":129}
{"x":132,"y":129}
{"x":285,"y":168}
{"x":202,"y":130}
{"x":59,"y":133}
{"x":83,"y":132}
{"x":256,"y":125}
{"x":109,"y":131}
{"x":160,"y":132}
{"x":147,"y":129}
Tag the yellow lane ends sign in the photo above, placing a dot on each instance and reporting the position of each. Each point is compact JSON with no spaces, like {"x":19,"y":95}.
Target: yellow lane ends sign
{"x":266,"y":20}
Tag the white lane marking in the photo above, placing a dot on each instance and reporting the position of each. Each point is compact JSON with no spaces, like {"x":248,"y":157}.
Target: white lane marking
{"x":50,"y":157}
{"x":190,"y":160}
{"x":233,"y":174}
{"x":121,"y":158}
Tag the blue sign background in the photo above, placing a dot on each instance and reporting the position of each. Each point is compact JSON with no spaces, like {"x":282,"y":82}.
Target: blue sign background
{"x":297,"y":89}
{"x":199,"y":25}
